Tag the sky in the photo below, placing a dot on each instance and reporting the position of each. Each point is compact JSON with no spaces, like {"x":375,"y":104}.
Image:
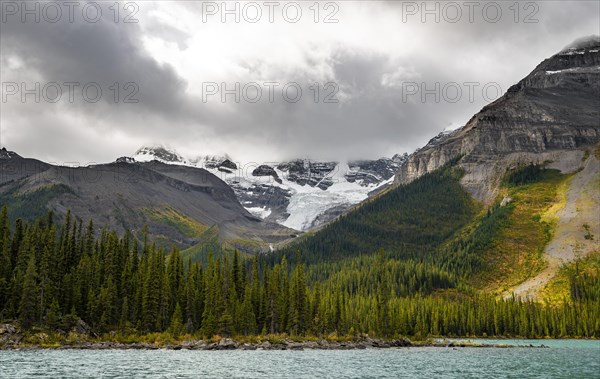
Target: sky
{"x":88,"y":82}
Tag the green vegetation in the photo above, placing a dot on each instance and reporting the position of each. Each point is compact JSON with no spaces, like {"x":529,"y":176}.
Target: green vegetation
{"x":523,"y":229}
{"x":403,"y":265}
{"x":567,"y":283}
{"x":208,"y":244}
{"x":408,"y":222}
{"x":31,"y":205}
{"x":524,"y":175}
{"x":586,"y":155}
{"x":588,"y":233}
{"x":174,"y":219}
{"x":585,"y":287}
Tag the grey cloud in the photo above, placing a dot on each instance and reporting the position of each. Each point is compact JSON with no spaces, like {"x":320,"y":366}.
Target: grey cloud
{"x":361,"y":125}
{"x":371,"y":120}
{"x":104,"y":52}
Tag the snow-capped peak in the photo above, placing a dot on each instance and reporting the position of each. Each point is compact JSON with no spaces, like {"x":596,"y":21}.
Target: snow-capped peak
{"x":209,"y":161}
{"x":159,"y":153}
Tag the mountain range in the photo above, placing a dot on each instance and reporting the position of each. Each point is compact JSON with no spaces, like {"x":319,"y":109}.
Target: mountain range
{"x":550,"y":117}
{"x":508,"y":203}
{"x":178,"y":204}
{"x":300,"y":194}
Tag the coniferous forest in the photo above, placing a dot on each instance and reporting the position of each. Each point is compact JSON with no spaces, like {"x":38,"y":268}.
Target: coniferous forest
{"x":397,"y":266}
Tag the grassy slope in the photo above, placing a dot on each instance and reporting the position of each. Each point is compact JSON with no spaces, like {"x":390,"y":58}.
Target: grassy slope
{"x":180,"y":222}
{"x":209,"y":243}
{"x":515,"y":253}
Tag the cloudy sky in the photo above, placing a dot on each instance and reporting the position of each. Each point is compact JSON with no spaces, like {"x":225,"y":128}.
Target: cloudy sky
{"x":327,"y":80}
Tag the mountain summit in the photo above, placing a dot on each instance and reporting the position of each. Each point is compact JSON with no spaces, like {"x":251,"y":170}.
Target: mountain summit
{"x":550,"y":115}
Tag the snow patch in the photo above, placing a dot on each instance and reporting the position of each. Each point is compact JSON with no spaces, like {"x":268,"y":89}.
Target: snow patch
{"x":574,"y":69}
{"x":259,"y":212}
{"x":574,"y":52}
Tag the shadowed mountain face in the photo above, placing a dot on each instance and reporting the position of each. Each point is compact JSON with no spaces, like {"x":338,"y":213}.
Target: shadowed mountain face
{"x":550,"y":115}
{"x":178,"y":203}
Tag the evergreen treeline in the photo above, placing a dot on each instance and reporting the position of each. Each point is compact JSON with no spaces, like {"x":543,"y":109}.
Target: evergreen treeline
{"x":524,"y":174}
{"x":51,"y":275}
{"x":426,"y":224}
{"x":585,"y":287}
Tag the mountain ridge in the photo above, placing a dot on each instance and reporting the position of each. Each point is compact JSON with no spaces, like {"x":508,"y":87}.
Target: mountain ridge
{"x":550,"y":115}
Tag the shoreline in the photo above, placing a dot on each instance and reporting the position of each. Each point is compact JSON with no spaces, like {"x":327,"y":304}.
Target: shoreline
{"x":230,"y":344}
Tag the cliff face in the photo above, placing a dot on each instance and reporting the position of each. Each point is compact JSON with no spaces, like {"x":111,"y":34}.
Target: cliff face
{"x":550,"y":115}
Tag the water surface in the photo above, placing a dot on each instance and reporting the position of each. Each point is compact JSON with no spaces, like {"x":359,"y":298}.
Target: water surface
{"x":564,"y":359}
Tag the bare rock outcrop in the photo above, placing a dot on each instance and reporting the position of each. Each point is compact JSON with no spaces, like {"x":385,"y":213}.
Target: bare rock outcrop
{"x":9,"y":335}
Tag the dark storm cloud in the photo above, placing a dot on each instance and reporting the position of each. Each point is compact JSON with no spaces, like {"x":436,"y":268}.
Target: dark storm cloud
{"x":103,"y":52}
{"x":371,"y":118}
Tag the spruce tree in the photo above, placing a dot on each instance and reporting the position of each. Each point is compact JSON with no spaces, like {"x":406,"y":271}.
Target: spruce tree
{"x":30,"y":296}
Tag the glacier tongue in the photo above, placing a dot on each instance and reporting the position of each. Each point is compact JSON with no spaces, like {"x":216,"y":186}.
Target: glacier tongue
{"x":308,"y":203}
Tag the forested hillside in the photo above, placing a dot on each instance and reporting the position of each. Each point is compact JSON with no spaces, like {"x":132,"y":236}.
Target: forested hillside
{"x":400,"y":265}
{"x":408,"y":221}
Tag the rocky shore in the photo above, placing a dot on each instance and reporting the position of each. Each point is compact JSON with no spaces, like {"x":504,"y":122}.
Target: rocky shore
{"x":11,"y":338}
{"x":230,"y":344}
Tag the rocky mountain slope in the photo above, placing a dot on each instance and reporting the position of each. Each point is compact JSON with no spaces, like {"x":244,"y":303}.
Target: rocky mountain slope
{"x":300,"y":194}
{"x":550,"y":115}
{"x":576,"y":231}
{"x":179,"y":204}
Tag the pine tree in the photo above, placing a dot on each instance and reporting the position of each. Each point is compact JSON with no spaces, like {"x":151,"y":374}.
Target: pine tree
{"x":237,"y":275}
{"x":54,"y":316}
{"x":383,"y":298}
{"x":209,"y":315}
{"x":152,"y":292}
{"x":29,"y":299}
{"x":5,"y":260}
{"x":107,"y":303}
{"x":298,"y":303}
{"x":176,"y":327}
{"x":124,"y":319}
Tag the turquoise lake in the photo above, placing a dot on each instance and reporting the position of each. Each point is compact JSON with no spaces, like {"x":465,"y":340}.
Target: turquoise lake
{"x":563,"y":359}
